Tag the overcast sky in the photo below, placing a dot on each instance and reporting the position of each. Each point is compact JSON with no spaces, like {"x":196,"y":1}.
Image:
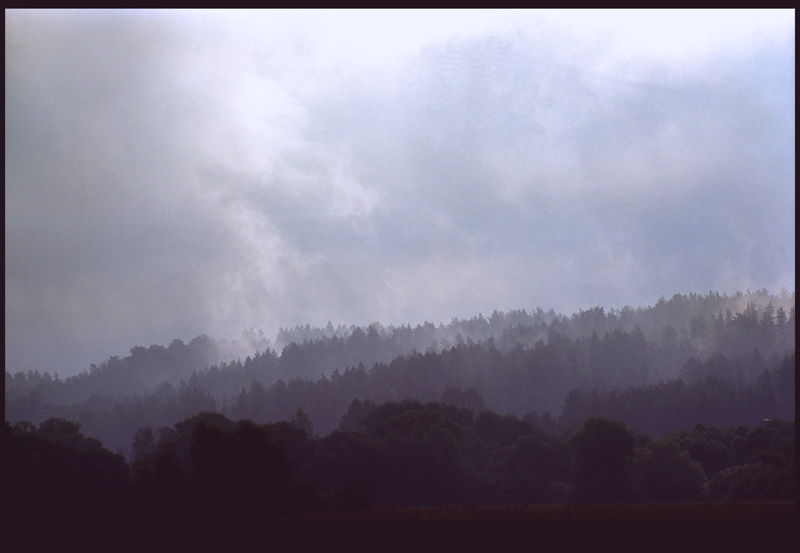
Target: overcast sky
{"x":170,"y":174}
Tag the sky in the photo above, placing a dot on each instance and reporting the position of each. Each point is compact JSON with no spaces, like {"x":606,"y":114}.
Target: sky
{"x":176,"y":173}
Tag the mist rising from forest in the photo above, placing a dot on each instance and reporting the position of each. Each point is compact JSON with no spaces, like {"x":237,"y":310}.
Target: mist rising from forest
{"x":545,"y":367}
{"x":173,"y":174}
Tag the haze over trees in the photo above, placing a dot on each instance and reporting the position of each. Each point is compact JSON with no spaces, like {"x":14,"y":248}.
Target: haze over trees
{"x":635,"y":365}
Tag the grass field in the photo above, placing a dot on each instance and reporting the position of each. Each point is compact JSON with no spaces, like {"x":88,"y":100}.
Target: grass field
{"x":751,"y":510}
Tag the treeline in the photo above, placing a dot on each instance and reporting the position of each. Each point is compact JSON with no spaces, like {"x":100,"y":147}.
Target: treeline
{"x":389,"y":455}
{"x":144,"y":371}
{"x":708,"y":392}
{"x":693,"y":318}
{"x":557,"y":385}
{"x":683,"y":326}
{"x":519,"y":363}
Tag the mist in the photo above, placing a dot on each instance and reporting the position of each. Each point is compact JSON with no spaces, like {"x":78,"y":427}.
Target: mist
{"x":171,"y":174}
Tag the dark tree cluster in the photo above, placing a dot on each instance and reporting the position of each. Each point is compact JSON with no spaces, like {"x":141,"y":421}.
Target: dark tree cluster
{"x":405,"y":454}
{"x":56,"y":471}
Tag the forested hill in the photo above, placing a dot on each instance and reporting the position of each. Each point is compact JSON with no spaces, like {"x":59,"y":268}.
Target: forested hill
{"x":676,"y":312}
{"x":696,"y":325}
{"x":519,"y":363}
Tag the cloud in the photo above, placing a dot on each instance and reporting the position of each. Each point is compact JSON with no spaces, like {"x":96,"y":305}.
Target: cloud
{"x":176,"y":173}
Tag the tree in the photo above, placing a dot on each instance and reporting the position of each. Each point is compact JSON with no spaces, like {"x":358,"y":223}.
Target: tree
{"x":355,"y":419}
{"x":162,"y":490}
{"x":468,"y":399}
{"x":602,"y":449}
{"x":212,"y":467}
{"x":301,"y":421}
{"x":260,"y":469}
{"x":535,"y":469}
{"x":501,"y":430}
{"x":706,"y":445}
{"x":665,"y":472}
{"x":768,"y":328}
{"x":144,"y":443}
{"x":56,"y":471}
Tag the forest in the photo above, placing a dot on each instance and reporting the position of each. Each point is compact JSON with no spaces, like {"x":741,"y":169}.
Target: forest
{"x":691,"y":399}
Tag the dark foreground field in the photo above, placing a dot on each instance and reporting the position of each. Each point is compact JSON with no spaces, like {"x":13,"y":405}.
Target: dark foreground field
{"x":752,"y":510}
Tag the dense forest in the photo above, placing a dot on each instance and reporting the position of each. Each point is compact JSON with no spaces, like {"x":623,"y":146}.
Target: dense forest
{"x":405,"y":454}
{"x":629,"y":364}
{"x":490,"y":410}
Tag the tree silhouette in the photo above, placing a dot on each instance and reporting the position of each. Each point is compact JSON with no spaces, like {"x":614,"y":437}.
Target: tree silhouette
{"x":602,"y":449}
{"x":665,"y":472}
